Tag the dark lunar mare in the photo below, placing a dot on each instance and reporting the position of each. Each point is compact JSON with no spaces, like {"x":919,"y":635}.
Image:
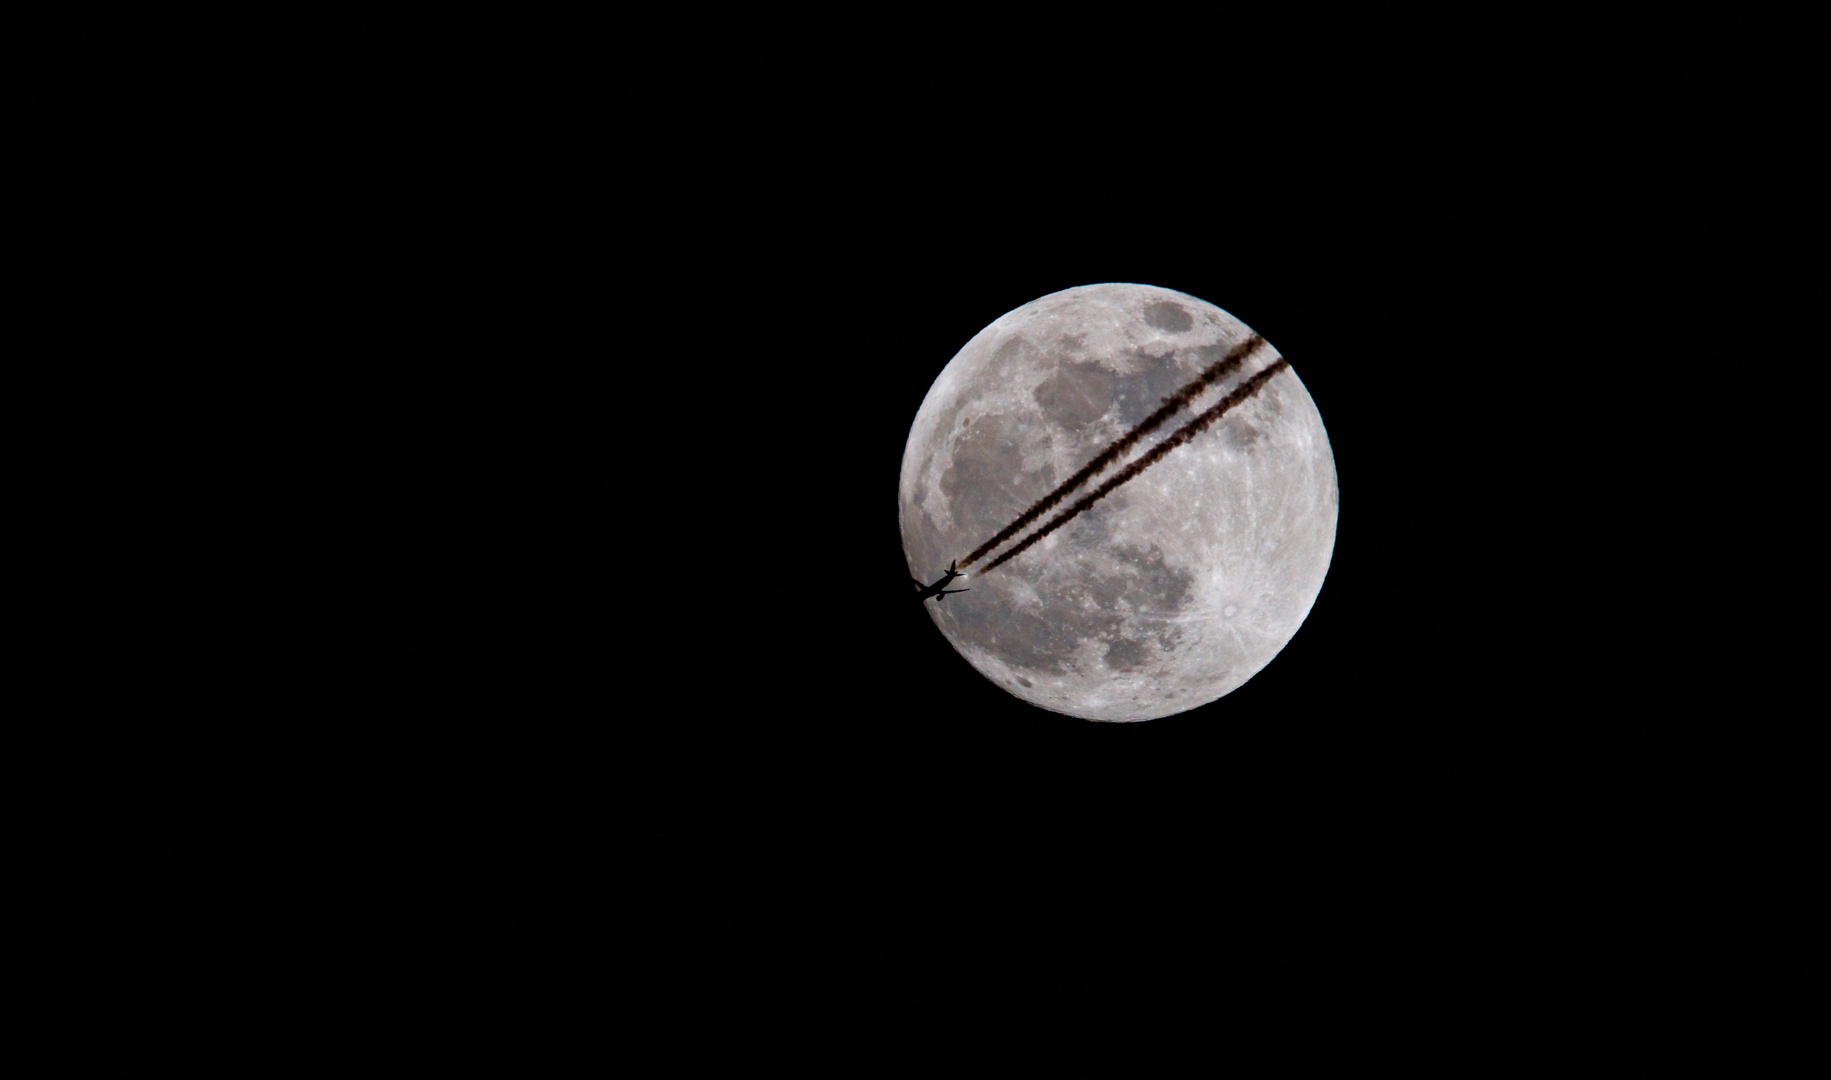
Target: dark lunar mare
{"x":1153,"y":456}
{"x":1097,"y":606}
{"x":1171,"y":405}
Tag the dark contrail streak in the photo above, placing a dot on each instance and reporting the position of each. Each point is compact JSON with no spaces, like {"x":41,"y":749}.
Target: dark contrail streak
{"x":1153,"y":456}
{"x":1216,"y":371}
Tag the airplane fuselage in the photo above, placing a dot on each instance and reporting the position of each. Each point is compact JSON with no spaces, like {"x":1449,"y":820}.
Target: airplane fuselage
{"x":939,"y":590}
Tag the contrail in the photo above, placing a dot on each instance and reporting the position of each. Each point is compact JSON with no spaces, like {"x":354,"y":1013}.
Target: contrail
{"x":1153,"y":456}
{"x":1216,"y":371}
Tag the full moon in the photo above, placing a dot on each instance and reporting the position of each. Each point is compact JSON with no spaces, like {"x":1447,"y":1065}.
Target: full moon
{"x":1179,"y":585}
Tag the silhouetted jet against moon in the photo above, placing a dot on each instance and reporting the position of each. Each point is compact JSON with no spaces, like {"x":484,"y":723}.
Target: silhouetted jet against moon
{"x":939,"y":590}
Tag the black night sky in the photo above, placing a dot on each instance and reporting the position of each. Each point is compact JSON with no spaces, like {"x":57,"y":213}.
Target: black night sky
{"x":613,"y":658}
{"x":628,"y":596}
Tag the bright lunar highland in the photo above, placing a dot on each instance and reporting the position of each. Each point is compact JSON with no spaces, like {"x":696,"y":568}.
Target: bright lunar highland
{"x":1176,"y":587}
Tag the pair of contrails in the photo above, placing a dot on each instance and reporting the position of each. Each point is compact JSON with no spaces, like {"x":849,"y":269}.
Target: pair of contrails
{"x":1219,"y":370}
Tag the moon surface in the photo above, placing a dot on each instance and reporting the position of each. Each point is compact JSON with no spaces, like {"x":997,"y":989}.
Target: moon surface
{"x":1175,"y":588}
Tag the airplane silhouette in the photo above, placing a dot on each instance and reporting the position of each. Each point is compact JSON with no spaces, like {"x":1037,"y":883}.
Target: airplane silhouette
{"x":939,"y":589}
